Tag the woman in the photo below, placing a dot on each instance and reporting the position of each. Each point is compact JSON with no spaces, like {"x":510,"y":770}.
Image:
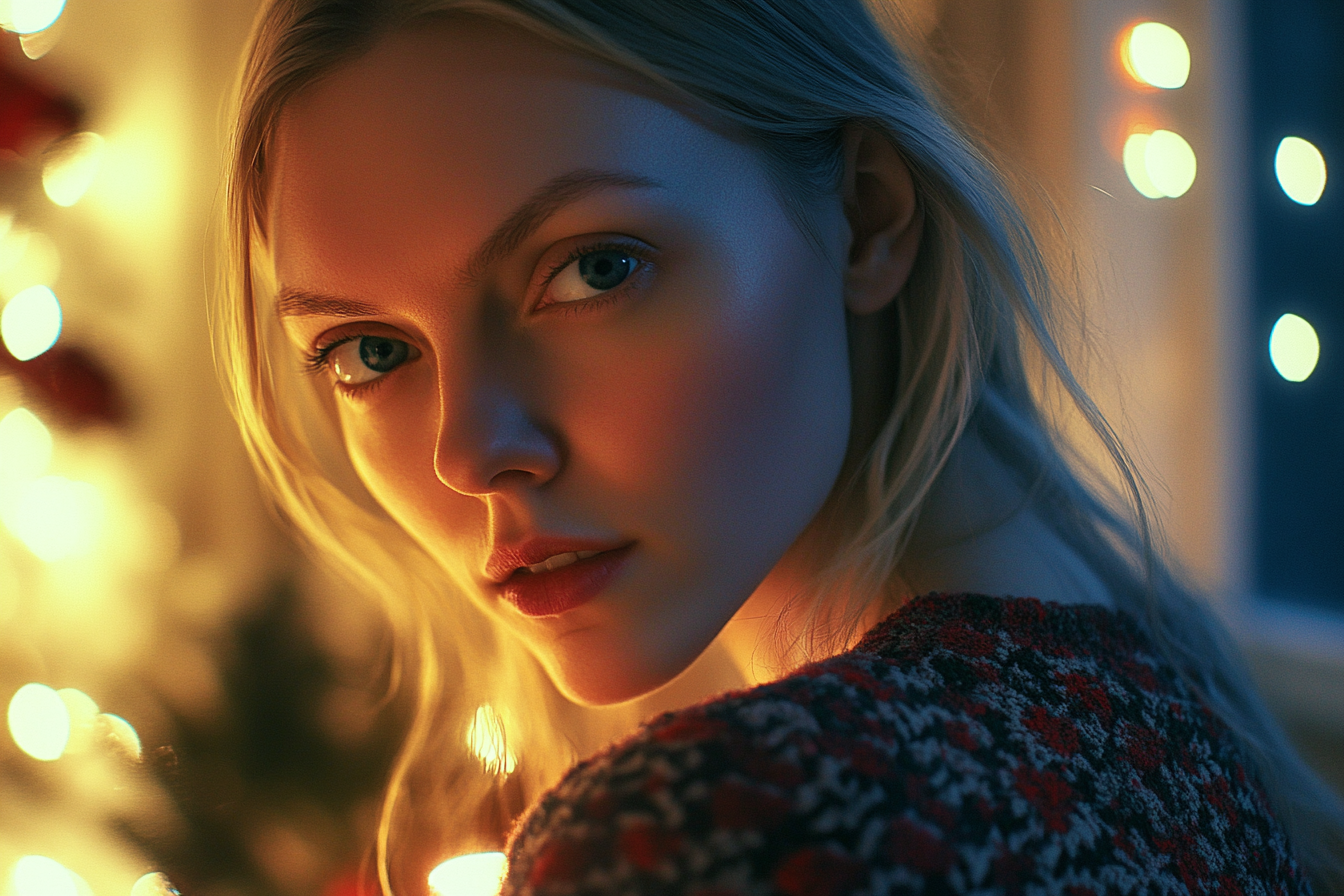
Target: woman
{"x":666,"y":336}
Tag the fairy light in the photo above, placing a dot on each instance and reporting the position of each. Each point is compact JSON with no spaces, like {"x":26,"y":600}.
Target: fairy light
{"x":31,"y":16}
{"x":41,"y":876}
{"x":1294,"y":348}
{"x":39,"y":722}
{"x":1156,"y":55}
{"x":155,"y":883}
{"x":1160,"y":164}
{"x":56,"y":518}
{"x":486,"y":740}
{"x":123,"y":734}
{"x":25,"y":447}
{"x":31,"y":322}
{"x":70,"y":166}
{"x":476,"y":874}
{"x":1300,"y":169}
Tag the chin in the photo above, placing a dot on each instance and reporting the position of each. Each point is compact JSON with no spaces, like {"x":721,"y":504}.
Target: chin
{"x":591,"y":676}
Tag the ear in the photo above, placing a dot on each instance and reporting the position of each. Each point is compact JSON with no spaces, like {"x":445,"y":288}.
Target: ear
{"x":885,"y":222}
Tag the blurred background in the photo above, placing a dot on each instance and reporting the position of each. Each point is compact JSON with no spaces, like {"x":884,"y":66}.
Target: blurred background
{"x":187,"y":695}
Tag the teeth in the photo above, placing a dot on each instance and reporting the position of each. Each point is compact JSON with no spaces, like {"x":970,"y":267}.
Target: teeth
{"x":561,"y":560}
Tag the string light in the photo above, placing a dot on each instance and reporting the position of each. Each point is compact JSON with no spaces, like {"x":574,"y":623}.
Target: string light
{"x":155,"y":883}
{"x":124,"y":734}
{"x":1156,"y":55}
{"x":477,"y":874}
{"x":1294,"y":348}
{"x":487,"y":741}
{"x":41,"y":876}
{"x":31,"y":322}
{"x":1160,"y":164}
{"x":31,"y":16}
{"x":70,"y":165}
{"x":39,"y":722}
{"x":1300,"y":169}
{"x":56,"y":518}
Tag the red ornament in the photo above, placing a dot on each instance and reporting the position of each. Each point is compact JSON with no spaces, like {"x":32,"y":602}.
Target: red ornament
{"x":71,"y":384}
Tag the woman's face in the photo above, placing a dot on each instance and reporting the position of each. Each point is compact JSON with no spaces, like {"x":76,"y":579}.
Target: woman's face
{"x":564,"y":320}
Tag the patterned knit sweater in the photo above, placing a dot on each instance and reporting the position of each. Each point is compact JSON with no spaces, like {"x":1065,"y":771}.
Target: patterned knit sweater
{"x":968,"y":744}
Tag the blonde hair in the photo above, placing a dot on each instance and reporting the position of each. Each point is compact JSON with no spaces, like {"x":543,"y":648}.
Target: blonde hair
{"x":789,"y":74}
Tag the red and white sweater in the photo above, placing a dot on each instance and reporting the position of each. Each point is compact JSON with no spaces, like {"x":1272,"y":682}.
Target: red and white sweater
{"x":968,"y":744}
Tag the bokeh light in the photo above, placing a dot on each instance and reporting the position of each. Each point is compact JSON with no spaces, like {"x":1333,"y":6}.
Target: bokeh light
{"x":31,"y":322}
{"x":1300,"y":168}
{"x":487,"y":741}
{"x":123,"y":733}
{"x":30,"y":16}
{"x":70,"y":165}
{"x":25,"y":447}
{"x":155,"y":883}
{"x":1170,"y":163}
{"x":1294,"y":348}
{"x":477,"y":874}
{"x":56,"y":518}
{"x":1136,"y":165}
{"x":39,"y":722}
{"x":1156,"y":55}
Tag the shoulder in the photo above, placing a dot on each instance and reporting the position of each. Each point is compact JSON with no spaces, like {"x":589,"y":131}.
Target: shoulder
{"x":975,"y":743}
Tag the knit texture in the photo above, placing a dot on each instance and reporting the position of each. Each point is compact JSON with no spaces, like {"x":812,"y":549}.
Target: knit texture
{"x":968,"y":744}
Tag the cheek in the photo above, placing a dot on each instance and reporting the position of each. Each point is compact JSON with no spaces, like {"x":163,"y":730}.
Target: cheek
{"x":390,"y":441}
{"x":734,"y":418}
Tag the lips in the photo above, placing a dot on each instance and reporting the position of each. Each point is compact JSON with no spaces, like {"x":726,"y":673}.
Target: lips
{"x":547,"y":576}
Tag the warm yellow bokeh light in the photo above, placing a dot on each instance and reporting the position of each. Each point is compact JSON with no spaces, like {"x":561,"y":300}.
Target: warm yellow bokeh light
{"x":1294,"y":348}
{"x":123,"y":733}
{"x":39,"y":722}
{"x":25,"y":447}
{"x":1157,"y":55}
{"x":30,"y":16}
{"x":487,"y":741}
{"x":1300,"y":168}
{"x":70,"y":165}
{"x":477,"y":874}
{"x":55,"y":517}
{"x":1170,"y":163}
{"x":155,"y":883}
{"x":41,"y":876}
{"x":28,"y":258}
{"x":31,"y":322}
{"x":1136,"y":165}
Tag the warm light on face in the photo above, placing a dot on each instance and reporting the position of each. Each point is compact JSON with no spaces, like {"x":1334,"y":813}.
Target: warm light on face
{"x":70,"y":167}
{"x":487,"y":742}
{"x":1294,"y":348}
{"x":30,"y":16}
{"x":1300,"y":168}
{"x":1159,"y":165}
{"x":1156,"y":55}
{"x":478,"y":874}
{"x":39,"y":722}
{"x":25,"y":447}
{"x":31,"y":322}
{"x":56,"y":518}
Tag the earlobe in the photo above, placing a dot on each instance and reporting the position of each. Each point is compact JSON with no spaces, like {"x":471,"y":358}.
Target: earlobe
{"x":885,"y":220}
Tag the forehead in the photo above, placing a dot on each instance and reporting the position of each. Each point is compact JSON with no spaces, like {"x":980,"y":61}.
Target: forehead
{"x":441,"y":129}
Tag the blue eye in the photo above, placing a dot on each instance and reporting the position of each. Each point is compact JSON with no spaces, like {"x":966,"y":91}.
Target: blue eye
{"x":367,"y":358}
{"x":591,"y":274}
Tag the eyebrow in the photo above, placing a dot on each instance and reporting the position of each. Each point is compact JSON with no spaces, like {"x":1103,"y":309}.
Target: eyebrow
{"x":544,"y":202}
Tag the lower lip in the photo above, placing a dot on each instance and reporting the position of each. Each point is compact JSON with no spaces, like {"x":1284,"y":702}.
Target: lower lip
{"x":559,"y":590}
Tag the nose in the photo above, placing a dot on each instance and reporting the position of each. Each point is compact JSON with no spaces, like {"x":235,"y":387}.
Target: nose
{"x":488,"y":440}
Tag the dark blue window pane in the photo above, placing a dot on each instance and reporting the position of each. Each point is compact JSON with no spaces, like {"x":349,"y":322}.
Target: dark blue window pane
{"x":1296,"y":73}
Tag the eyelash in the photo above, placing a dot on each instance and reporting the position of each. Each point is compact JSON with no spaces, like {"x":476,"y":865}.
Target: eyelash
{"x":634,"y":249}
{"x":315,"y":362}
